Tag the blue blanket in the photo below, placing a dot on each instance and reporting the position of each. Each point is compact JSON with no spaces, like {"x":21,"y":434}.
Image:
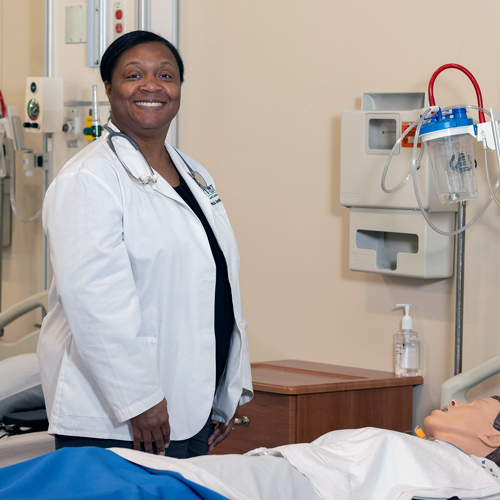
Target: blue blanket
{"x":94,"y":473}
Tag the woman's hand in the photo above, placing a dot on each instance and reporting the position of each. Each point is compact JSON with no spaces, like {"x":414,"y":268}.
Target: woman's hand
{"x":152,"y":426}
{"x":221,"y":431}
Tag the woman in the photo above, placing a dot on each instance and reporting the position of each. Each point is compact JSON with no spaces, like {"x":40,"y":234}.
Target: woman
{"x":144,"y":345}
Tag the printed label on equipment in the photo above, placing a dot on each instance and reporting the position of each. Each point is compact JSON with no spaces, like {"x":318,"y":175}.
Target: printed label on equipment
{"x":408,"y":141}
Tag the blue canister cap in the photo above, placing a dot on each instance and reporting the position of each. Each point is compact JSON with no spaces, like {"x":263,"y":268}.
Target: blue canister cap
{"x":454,"y":118}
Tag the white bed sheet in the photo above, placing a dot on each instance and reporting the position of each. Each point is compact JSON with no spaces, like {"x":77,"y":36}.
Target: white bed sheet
{"x":16,"y":449}
{"x":375,"y":464}
{"x":237,"y":477}
{"x":360,"y":464}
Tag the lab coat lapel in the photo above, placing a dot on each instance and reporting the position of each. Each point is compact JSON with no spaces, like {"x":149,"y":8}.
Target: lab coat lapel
{"x":198,"y":193}
{"x":137,"y":165}
{"x":164,"y":188}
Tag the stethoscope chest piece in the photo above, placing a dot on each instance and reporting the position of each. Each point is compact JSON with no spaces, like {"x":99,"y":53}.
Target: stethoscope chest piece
{"x":146,"y":180}
{"x":199,"y":179}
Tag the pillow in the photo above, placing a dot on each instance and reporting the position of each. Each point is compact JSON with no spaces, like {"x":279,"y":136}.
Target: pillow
{"x":20,"y":386}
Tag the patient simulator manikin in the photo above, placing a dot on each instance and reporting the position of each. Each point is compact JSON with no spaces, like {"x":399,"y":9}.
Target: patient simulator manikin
{"x":355,"y":464}
{"x":473,"y":427}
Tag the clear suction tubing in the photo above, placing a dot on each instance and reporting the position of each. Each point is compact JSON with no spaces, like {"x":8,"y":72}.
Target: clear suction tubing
{"x":447,"y":134}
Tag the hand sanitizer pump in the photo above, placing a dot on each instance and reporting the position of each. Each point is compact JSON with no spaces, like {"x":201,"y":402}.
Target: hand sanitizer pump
{"x":407,"y":347}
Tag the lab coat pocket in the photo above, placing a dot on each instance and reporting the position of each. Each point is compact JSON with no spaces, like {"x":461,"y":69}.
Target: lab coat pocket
{"x":80,"y":394}
{"x":149,"y":343}
{"x":147,"y":340}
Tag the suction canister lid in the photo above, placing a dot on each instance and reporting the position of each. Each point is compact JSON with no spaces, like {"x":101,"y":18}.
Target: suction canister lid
{"x":453,"y":119}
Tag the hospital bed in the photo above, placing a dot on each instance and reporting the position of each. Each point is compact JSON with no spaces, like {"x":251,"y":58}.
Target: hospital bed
{"x":233,"y":476}
{"x":28,"y":342}
{"x":457,"y":387}
{"x":20,"y":388}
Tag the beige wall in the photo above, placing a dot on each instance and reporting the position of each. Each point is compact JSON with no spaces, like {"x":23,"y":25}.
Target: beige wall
{"x":266,"y":82}
{"x":22,"y":55}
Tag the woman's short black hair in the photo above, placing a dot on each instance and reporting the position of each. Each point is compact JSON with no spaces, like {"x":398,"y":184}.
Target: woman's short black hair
{"x":126,"y":42}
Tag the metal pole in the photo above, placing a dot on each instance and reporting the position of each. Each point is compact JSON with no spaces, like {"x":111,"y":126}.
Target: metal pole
{"x":174,"y":127}
{"x":48,"y":71}
{"x":175,"y":22}
{"x":49,"y":38}
{"x":143,"y":15}
{"x":459,"y":308}
{"x":47,"y":179}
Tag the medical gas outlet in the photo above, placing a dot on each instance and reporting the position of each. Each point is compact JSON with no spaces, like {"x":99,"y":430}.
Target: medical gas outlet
{"x":44,"y":105}
{"x":93,"y":128}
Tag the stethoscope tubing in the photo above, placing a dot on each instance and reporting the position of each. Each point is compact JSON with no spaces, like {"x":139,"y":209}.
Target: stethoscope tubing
{"x":145,"y":180}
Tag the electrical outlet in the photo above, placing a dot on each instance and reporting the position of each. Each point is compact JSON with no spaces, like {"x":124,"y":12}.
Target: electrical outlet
{"x":119,"y":19}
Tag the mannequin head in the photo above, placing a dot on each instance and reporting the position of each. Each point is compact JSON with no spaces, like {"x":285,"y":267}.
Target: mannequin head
{"x":473,"y":427}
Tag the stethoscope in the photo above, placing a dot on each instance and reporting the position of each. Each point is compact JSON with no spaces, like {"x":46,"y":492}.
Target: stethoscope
{"x":148,"y":180}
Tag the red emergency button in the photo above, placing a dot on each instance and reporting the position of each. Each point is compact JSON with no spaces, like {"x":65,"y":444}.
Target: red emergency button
{"x":119,"y":14}
{"x":119,"y":27}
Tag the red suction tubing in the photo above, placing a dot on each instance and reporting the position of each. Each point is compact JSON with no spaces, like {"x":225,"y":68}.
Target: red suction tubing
{"x":3,"y":111}
{"x":432,"y":102}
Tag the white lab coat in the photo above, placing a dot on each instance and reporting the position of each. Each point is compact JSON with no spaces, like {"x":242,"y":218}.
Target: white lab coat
{"x":131,"y":305}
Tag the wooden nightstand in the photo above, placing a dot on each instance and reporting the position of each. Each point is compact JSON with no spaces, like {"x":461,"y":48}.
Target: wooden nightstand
{"x":298,"y":401}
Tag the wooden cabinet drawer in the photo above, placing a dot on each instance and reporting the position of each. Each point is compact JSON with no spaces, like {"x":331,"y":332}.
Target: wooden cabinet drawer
{"x":386,"y":408}
{"x":297,"y":401}
{"x":272,"y":423}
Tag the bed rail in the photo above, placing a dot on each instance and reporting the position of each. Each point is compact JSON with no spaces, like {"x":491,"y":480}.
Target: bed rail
{"x":28,"y":342}
{"x":457,"y":386}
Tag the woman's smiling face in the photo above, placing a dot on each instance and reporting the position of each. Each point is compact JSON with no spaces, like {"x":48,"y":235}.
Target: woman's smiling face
{"x":145,"y":90}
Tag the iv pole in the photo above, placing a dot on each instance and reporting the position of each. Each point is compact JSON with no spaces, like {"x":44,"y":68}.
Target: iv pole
{"x":459,"y":298}
{"x":47,"y":138}
{"x":459,"y":294}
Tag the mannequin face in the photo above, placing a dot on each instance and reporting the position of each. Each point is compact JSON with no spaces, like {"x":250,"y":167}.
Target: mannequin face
{"x":468,"y":426}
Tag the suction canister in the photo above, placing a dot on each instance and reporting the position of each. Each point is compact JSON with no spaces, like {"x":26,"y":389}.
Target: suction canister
{"x":450,"y":147}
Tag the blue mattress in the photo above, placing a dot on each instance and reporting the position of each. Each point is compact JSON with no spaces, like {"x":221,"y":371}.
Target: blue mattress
{"x":94,"y":473}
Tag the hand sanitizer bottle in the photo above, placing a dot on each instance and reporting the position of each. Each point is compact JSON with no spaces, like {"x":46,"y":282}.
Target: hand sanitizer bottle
{"x":407,"y":347}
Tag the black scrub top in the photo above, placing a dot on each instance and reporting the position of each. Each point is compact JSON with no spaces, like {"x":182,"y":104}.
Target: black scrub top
{"x":224,"y":315}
